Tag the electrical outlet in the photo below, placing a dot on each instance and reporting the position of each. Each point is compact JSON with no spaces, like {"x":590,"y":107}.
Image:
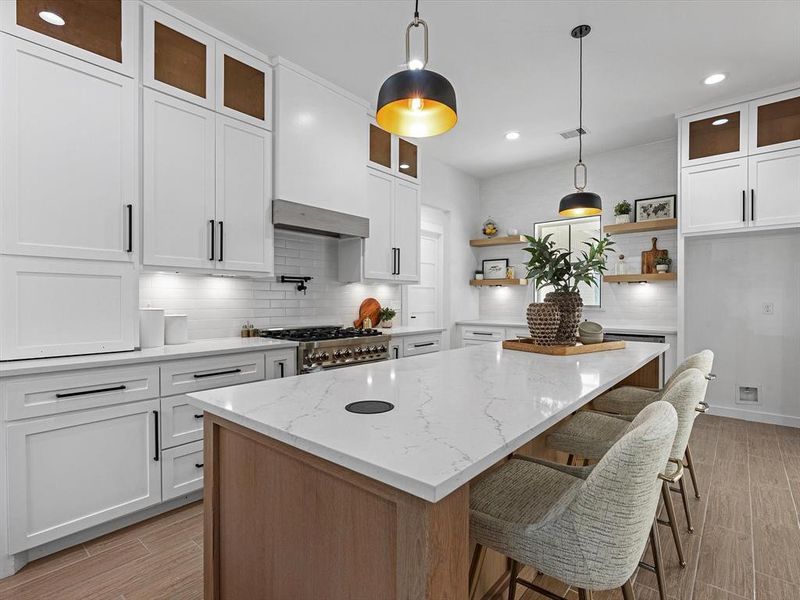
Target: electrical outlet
{"x":768,"y":308}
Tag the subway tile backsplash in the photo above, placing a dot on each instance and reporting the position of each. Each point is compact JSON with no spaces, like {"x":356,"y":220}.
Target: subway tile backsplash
{"x":218,"y":306}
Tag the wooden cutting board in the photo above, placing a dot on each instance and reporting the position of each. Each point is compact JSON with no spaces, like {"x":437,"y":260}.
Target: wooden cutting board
{"x":527,"y":345}
{"x":370,"y":307}
{"x":649,"y":258}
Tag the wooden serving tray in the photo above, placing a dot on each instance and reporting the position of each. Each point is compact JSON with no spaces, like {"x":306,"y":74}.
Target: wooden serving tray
{"x":527,"y":345}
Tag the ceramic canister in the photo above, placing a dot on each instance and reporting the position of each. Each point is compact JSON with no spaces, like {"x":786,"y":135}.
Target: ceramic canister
{"x":177,"y":329}
{"x":151,"y":327}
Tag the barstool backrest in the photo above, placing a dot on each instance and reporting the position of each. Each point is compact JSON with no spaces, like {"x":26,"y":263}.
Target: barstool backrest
{"x":688,"y":389}
{"x":703,"y":360}
{"x":613,"y":511}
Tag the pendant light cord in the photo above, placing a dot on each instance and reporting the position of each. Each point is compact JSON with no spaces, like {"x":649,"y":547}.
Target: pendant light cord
{"x":580,"y":102}
{"x":416,"y":11}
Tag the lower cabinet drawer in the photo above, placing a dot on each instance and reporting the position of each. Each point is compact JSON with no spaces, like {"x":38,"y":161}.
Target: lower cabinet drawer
{"x":424,"y":344}
{"x":193,"y":375}
{"x":483,"y":334}
{"x":180,"y":422}
{"x":181,"y":470}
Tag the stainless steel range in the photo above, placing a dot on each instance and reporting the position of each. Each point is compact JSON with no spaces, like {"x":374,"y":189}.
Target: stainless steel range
{"x":331,"y":347}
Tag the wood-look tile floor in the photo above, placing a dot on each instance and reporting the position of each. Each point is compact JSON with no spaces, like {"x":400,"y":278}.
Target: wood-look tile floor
{"x":746,"y":542}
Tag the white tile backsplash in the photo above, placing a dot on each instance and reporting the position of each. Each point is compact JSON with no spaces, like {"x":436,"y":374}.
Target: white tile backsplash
{"x":218,"y":306}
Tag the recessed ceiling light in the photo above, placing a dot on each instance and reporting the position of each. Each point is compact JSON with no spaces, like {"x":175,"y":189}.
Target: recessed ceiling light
{"x":51,"y":18}
{"x":714,"y":78}
{"x":404,"y":166}
{"x":512,"y":135}
{"x":415,"y":64}
{"x":719,"y":122}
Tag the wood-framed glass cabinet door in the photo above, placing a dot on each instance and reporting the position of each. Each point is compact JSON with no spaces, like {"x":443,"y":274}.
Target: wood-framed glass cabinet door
{"x":100,"y":32}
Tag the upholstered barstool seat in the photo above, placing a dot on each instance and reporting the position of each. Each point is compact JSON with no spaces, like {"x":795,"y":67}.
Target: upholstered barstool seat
{"x":626,"y":400}
{"x":588,"y":434}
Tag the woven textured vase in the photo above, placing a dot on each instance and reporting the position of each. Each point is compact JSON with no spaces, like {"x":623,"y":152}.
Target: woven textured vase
{"x":570,"y":308}
{"x":543,"y":322}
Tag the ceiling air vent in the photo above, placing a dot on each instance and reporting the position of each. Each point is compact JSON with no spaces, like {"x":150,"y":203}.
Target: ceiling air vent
{"x":573,"y":133}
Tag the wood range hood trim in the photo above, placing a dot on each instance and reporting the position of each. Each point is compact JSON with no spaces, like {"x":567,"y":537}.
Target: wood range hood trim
{"x":294,"y":216}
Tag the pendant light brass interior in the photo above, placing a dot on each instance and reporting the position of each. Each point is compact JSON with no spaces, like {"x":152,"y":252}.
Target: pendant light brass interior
{"x":580,"y":203}
{"x":417,"y":102}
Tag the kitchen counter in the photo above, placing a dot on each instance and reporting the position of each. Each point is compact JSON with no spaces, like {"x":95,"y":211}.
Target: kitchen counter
{"x":609,"y":327}
{"x":404,"y":330}
{"x":192,"y":349}
{"x":456,"y":412}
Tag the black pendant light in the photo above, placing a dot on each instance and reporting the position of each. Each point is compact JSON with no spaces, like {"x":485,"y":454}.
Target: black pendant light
{"x":416,"y":102}
{"x":580,"y":203}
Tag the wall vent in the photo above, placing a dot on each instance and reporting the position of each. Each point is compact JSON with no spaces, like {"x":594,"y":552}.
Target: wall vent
{"x":573,"y":133}
{"x":747,"y":394}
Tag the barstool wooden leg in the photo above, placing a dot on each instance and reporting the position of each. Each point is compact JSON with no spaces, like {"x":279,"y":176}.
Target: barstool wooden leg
{"x":690,"y":467}
{"x":655,"y":545}
{"x":584,"y":594}
{"x":512,"y":583}
{"x":673,"y":524}
{"x":684,"y":496}
{"x":475,"y":567}
{"x":627,"y":591}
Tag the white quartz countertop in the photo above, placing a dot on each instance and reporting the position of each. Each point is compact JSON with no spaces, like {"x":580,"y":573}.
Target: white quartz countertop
{"x":404,"y":330}
{"x":609,"y":327}
{"x":456,"y":412}
{"x":192,"y":349}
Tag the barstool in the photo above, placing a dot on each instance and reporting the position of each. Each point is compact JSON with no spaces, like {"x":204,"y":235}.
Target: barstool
{"x":585,"y":526}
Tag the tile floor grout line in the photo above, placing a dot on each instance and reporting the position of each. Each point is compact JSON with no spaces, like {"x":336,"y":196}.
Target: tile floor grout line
{"x":752,"y":517}
{"x":795,"y":501}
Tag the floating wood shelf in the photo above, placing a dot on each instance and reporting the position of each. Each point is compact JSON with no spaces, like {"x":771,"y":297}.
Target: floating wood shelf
{"x":656,"y":225}
{"x":499,"y":282}
{"x":499,"y":241}
{"x":650,"y":277}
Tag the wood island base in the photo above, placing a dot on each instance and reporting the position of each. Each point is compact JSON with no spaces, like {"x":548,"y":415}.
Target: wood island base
{"x":281,"y":523}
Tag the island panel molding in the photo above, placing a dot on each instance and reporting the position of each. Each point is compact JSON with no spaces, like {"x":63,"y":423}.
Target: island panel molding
{"x":263,"y":527}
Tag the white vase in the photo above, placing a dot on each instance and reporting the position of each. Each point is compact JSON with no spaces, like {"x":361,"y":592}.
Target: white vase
{"x":662,"y":268}
{"x":386,"y":324}
{"x":623,"y":218}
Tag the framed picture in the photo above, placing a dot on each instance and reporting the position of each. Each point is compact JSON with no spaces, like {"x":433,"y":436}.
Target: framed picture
{"x":495,"y":268}
{"x":659,"y":207}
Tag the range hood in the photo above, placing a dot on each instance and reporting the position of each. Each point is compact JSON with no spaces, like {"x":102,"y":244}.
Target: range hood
{"x":310,"y":219}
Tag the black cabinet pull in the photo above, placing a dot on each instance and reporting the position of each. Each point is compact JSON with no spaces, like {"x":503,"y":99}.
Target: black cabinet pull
{"x":215,"y":373}
{"x":281,"y":369}
{"x":744,"y":204}
{"x":213,"y":233}
{"x":157,"y":454}
{"x":198,"y":465}
{"x":221,"y":240}
{"x":130,"y":227}
{"x":482,"y":333}
{"x":752,"y":205}
{"x":425,"y":344}
{"x":396,"y":352}
{"x":115,"y":388}
{"x":200,"y":416}
{"x":398,"y":261}
{"x":394,"y":261}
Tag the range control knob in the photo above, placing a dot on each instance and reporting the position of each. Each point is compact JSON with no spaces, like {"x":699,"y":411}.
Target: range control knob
{"x":382,"y":348}
{"x":373,"y":348}
{"x":348,"y":353}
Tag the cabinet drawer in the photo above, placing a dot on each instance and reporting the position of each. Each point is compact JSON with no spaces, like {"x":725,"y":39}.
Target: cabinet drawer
{"x":50,"y":394}
{"x":423,"y":344}
{"x":485,"y":334}
{"x":182,"y":470}
{"x":185,"y":376}
{"x":180,"y":422}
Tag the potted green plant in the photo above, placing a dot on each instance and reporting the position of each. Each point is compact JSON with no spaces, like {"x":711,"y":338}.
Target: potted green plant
{"x":552,"y":267}
{"x":386,"y":315}
{"x":478,"y":275}
{"x":622,"y":211}
{"x":662,"y":263}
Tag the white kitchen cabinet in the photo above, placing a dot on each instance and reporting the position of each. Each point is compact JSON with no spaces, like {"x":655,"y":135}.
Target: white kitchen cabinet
{"x":180,"y":422}
{"x":197,"y":374}
{"x":714,"y":196}
{"x":244,"y":87}
{"x":428,"y":343}
{"x":393,"y":154}
{"x":714,"y":135}
{"x":182,"y":470}
{"x":391,"y":253}
{"x":280,"y":363}
{"x":69,"y":160}
{"x":178,"y":176}
{"x":775,"y":122}
{"x":774,"y":180}
{"x":320,"y":143}
{"x":106,"y":37}
{"x":396,"y":348}
{"x":244,"y":197}
{"x":69,"y":472}
{"x":52,"y":307}
{"x":178,"y":59}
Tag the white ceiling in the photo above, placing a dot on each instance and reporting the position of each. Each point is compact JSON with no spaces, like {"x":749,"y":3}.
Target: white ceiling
{"x":514,"y":65}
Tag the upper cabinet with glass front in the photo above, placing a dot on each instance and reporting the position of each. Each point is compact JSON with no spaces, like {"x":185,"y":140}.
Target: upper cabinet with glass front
{"x":393,"y":154}
{"x":101,"y":32}
{"x":244,"y":87}
{"x":775,"y":122}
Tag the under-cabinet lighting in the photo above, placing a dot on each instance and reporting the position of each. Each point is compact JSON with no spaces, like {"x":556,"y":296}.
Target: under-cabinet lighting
{"x":52,"y":18}
{"x":714,"y":78}
{"x":512,"y":135}
{"x":719,"y":122}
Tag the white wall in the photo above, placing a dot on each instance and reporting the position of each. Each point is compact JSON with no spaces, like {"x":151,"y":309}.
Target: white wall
{"x":518,"y":200}
{"x":456,"y":193}
{"x":218,"y":306}
{"x":728,"y":279}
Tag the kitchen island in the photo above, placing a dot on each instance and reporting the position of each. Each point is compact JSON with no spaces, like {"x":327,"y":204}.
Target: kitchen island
{"x":307,"y":500}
